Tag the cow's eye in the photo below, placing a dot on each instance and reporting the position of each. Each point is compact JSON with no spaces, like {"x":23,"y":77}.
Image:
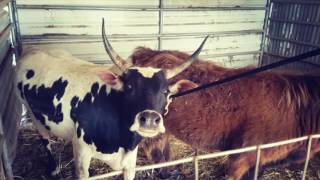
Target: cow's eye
{"x":129,"y":87}
{"x":165,"y":91}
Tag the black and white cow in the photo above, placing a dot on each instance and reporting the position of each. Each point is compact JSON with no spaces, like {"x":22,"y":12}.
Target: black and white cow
{"x":104,"y":112}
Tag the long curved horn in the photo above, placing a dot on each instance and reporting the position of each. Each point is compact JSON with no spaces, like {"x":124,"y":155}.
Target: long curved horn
{"x":116,"y":59}
{"x":175,"y":71}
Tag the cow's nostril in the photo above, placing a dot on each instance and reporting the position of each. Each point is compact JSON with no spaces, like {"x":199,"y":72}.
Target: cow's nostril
{"x":143,"y":120}
{"x":157,"y":120}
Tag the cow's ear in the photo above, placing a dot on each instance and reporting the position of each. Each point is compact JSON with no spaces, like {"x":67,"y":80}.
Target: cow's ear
{"x":109,"y":78}
{"x":182,"y":85}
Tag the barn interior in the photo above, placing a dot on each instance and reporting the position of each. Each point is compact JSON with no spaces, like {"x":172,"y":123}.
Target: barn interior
{"x":242,"y":33}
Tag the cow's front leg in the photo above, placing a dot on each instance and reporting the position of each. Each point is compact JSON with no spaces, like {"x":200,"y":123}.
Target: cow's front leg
{"x":129,"y":164}
{"x":82,"y":156}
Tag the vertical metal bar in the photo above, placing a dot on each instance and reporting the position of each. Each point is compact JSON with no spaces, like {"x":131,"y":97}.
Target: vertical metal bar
{"x":196,"y":167}
{"x":289,"y":51}
{"x":13,"y":29}
{"x":293,"y":18}
{"x":279,"y":26}
{"x":160,"y":24}
{"x":316,"y":36}
{"x":256,"y":170}
{"x":270,"y":44}
{"x":298,"y":28}
{"x":307,"y":28}
{"x":307,"y":158}
{"x":283,"y":33}
{"x":314,"y":28}
{"x":277,"y":32}
{"x":16,"y":28}
{"x":302,"y":32}
{"x":291,"y":12}
{"x":265,"y":27}
{"x":285,"y":11}
{"x":13,"y":36}
{"x":276,"y":43}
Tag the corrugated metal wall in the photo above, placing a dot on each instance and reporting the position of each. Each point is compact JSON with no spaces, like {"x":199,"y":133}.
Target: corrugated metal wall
{"x":10,"y":107}
{"x":75,"y":25}
{"x":293,"y":28}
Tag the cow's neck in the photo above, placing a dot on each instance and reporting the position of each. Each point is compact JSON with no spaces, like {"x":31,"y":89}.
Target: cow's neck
{"x":103,"y":122}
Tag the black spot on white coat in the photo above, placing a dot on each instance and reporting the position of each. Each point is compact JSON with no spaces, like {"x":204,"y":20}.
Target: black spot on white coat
{"x":30,"y":74}
{"x":41,"y":98}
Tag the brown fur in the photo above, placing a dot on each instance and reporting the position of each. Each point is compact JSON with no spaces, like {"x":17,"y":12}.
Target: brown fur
{"x":158,"y":152}
{"x":263,"y":108}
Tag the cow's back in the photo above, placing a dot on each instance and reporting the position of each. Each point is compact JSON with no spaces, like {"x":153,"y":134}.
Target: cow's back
{"x":47,"y":82}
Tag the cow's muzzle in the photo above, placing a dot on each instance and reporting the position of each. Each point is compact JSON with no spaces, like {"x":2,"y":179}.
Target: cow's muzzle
{"x":148,"y":123}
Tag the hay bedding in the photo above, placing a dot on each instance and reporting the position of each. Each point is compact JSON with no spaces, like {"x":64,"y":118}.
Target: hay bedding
{"x":30,"y":163}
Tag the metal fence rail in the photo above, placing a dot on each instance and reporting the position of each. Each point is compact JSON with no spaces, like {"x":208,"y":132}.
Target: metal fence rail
{"x":197,"y":158}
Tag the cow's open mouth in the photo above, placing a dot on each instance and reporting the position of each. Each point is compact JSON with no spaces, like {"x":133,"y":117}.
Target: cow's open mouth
{"x":148,"y":132}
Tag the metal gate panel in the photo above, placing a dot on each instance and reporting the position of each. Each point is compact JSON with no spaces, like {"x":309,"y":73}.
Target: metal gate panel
{"x":293,"y":28}
{"x":10,"y":107}
{"x":165,"y":24}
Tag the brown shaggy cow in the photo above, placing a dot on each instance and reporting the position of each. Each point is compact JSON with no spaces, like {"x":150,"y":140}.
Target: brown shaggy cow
{"x":263,"y":108}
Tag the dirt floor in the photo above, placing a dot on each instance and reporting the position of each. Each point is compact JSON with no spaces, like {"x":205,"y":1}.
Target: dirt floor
{"x":30,"y":163}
